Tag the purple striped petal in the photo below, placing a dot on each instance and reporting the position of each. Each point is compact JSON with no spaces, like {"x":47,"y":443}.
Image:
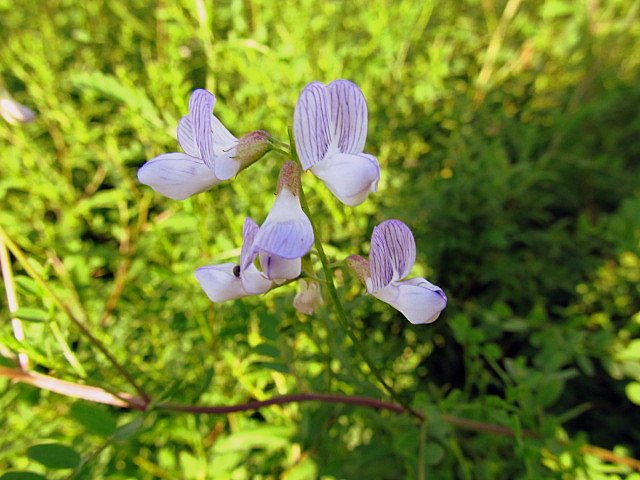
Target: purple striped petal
{"x":221,"y":136}
{"x":392,"y":253}
{"x":186,"y":137}
{"x":249,"y":232}
{"x":177,"y":175}
{"x":311,"y":125}
{"x":200,"y":107}
{"x":348,"y":110}
{"x":286,"y":232}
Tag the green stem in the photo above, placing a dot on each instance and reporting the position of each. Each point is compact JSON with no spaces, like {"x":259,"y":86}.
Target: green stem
{"x":340,"y":313}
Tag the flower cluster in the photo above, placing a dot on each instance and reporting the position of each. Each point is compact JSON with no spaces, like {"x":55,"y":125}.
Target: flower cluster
{"x":330,"y":130}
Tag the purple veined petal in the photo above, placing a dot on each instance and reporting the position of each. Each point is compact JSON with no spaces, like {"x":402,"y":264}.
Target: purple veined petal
{"x":254,"y":281}
{"x":186,"y":137}
{"x":349,"y":177}
{"x":220,"y":282}
{"x":177,"y":175}
{"x":392,"y":253}
{"x":226,"y":165}
{"x":311,"y":125}
{"x":221,"y":136}
{"x":201,"y":104}
{"x":349,"y":114}
{"x":417,"y":299}
{"x":13,"y":112}
{"x":286,"y":232}
{"x":248,"y":254}
{"x":280,"y":269}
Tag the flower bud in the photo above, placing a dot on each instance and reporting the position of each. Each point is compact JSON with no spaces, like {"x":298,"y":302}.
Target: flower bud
{"x":360,"y":267}
{"x":309,"y":298}
{"x":289,"y":178}
{"x":252,"y":147}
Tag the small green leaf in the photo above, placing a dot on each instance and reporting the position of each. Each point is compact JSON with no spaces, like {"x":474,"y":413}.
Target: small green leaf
{"x":633,"y":392}
{"x":54,"y":455}
{"x":278,"y":367}
{"x":31,"y":314}
{"x":22,"y":475}
{"x":94,"y":418}
{"x":433,"y":454}
{"x":128,"y":430}
{"x":267,"y":350}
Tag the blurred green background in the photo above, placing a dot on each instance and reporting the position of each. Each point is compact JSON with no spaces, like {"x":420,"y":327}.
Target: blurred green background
{"x":509,"y":139}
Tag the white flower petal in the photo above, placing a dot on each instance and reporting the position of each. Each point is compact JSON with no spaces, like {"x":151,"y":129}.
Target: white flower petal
{"x":286,"y":232}
{"x":249,"y":232}
{"x":226,"y":166}
{"x":254,"y":281}
{"x":220,"y":283}
{"x":177,"y":175}
{"x":221,"y":136}
{"x":14,"y":112}
{"x":349,"y":177}
{"x":280,"y":269}
{"x":311,"y":125}
{"x":417,"y":299}
{"x":392,"y":253}
{"x":308,"y":298}
{"x":348,"y":109}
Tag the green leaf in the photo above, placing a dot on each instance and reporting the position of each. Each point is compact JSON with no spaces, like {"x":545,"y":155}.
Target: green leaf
{"x":22,"y":475}
{"x":433,"y":454}
{"x":128,"y":430}
{"x":94,"y":418}
{"x":633,"y":392}
{"x":54,"y":455}
{"x":278,"y":367}
{"x":31,"y":314}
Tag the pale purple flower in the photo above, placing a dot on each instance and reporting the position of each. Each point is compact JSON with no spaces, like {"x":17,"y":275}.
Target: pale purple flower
{"x":330,"y":130}
{"x":13,"y":112}
{"x":229,"y":281}
{"x":286,"y":234}
{"x":391,"y":258}
{"x":283,"y":239}
{"x":211,"y":153}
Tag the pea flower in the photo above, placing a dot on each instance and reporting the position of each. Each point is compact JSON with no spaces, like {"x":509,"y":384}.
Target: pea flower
{"x":229,"y":281}
{"x":283,"y":239}
{"x":286,"y":234}
{"x":392,"y":255}
{"x":13,"y":112}
{"x":211,"y":153}
{"x":330,"y":130}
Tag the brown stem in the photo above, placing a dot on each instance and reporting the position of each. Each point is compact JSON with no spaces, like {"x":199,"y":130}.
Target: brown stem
{"x":124,"y":400}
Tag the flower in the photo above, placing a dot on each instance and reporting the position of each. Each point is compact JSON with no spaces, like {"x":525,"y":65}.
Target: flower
{"x":286,"y":234}
{"x":13,"y":112}
{"x":229,"y":281}
{"x":308,"y":298}
{"x":392,"y":255}
{"x":212,"y":153}
{"x":283,"y":239}
{"x":330,"y":130}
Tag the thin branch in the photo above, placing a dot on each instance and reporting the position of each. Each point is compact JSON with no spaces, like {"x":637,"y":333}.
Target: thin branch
{"x":123,"y":400}
{"x":17,"y":253}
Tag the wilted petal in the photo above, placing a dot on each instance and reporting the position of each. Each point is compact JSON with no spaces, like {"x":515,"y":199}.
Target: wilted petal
{"x":280,"y":269}
{"x":349,"y":177}
{"x":177,"y":175}
{"x":348,"y":109}
{"x":220,"y":282}
{"x":308,"y":298}
{"x":200,"y":106}
{"x":417,"y":299}
{"x":286,"y":232}
{"x":392,"y":253}
{"x":311,"y":124}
